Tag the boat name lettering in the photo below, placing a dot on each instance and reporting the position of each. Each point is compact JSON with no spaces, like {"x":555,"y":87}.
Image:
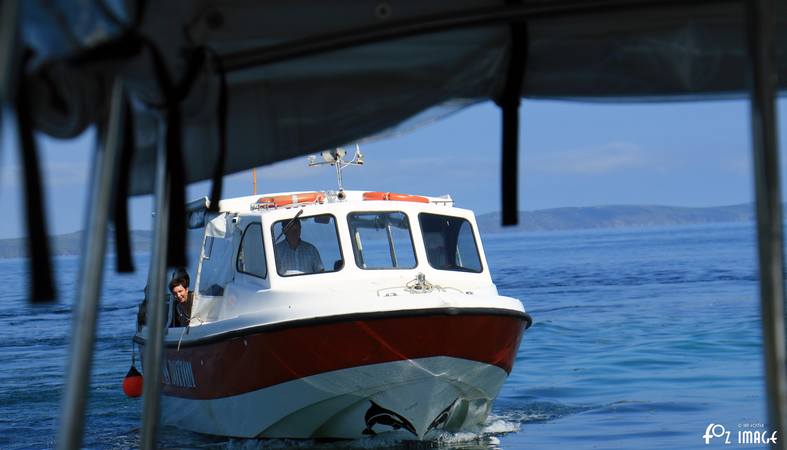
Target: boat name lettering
{"x":176,"y":372}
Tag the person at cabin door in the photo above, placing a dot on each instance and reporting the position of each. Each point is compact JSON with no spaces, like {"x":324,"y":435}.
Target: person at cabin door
{"x":296,"y":255}
{"x":182,"y":300}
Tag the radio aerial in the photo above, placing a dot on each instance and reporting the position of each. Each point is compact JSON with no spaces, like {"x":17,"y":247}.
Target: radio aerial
{"x":335,"y":158}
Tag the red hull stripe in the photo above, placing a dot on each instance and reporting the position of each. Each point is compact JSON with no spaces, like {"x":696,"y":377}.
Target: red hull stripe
{"x":244,"y":364}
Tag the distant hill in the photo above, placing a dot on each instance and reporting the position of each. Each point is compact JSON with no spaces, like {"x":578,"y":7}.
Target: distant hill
{"x":540,"y":220}
{"x":70,"y":244}
{"x":616,"y":216}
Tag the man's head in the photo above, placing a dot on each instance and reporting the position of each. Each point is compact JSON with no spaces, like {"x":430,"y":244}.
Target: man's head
{"x":179,"y":288}
{"x":293,"y":234}
{"x":436,"y":249}
{"x":181,"y":273}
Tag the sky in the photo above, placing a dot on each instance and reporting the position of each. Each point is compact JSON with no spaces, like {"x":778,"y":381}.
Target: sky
{"x":571,"y":154}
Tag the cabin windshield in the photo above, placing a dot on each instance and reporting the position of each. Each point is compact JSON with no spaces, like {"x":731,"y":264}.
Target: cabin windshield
{"x":307,"y":245}
{"x":450,"y":243}
{"x":381,"y":240}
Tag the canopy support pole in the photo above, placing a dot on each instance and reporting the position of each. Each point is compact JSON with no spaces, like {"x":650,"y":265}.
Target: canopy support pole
{"x":763,"y":79}
{"x":156,"y":312}
{"x":509,"y":102}
{"x":105,"y":172}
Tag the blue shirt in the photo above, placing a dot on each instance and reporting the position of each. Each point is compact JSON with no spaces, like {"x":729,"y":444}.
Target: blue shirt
{"x":303,"y":258}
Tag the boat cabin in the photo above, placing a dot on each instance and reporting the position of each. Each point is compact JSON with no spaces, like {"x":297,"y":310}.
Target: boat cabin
{"x":325,"y":252}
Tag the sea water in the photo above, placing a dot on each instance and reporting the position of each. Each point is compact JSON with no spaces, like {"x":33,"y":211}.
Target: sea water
{"x":642,"y":338}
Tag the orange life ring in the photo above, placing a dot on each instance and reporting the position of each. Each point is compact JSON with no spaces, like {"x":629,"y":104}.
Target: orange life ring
{"x":375,"y":196}
{"x":277,"y":201}
{"x":394,"y":196}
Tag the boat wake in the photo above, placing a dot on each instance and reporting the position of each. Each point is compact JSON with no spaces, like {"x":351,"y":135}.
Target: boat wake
{"x":483,"y":439}
{"x":502,"y":422}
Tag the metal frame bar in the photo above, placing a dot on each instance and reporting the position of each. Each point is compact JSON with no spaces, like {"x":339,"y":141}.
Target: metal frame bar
{"x":105,"y":174}
{"x":765,"y":150}
{"x":156,"y":312}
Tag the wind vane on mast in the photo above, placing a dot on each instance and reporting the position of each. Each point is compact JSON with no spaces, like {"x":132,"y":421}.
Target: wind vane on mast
{"x":336,"y":158}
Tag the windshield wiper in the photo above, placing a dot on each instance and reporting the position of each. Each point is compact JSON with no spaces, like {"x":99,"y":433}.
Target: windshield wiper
{"x":287,"y":227}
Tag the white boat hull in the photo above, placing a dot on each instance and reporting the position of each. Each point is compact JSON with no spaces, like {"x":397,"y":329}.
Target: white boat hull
{"x":413,"y":397}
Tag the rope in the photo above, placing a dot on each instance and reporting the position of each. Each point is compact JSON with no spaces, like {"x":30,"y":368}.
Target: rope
{"x":221,"y":115}
{"x":124,"y":259}
{"x":42,"y":284}
{"x":421,"y":286}
{"x":189,"y":318}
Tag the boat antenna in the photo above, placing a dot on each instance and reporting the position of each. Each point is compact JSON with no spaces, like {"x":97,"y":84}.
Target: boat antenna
{"x":336,"y":158}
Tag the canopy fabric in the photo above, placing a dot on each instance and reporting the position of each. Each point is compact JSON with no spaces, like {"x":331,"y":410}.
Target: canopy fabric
{"x":441,"y":56}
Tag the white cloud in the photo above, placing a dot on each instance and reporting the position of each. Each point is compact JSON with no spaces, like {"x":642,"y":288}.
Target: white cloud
{"x":67,"y":173}
{"x":597,"y":160}
{"x":289,"y":169}
{"x":435,"y":169}
{"x":376,"y":172}
{"x":10,"y":176}
{"x":52,"y":174}
{"x":736,"y":165}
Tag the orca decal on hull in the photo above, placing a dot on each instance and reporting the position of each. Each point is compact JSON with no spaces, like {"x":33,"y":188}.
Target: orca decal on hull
{"x":441,"y":418}
{"x":377,"y":415}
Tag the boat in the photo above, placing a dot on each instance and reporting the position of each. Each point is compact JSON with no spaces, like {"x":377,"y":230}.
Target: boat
{"x":394,"y":326}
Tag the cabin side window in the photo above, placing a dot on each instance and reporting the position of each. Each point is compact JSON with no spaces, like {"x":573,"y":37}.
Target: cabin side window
{"x":216,"y":267}
{"x":251,"y":255}
{"x":450,"y":243}
{"x":381,"y":240}
{"x":307,"y":245}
